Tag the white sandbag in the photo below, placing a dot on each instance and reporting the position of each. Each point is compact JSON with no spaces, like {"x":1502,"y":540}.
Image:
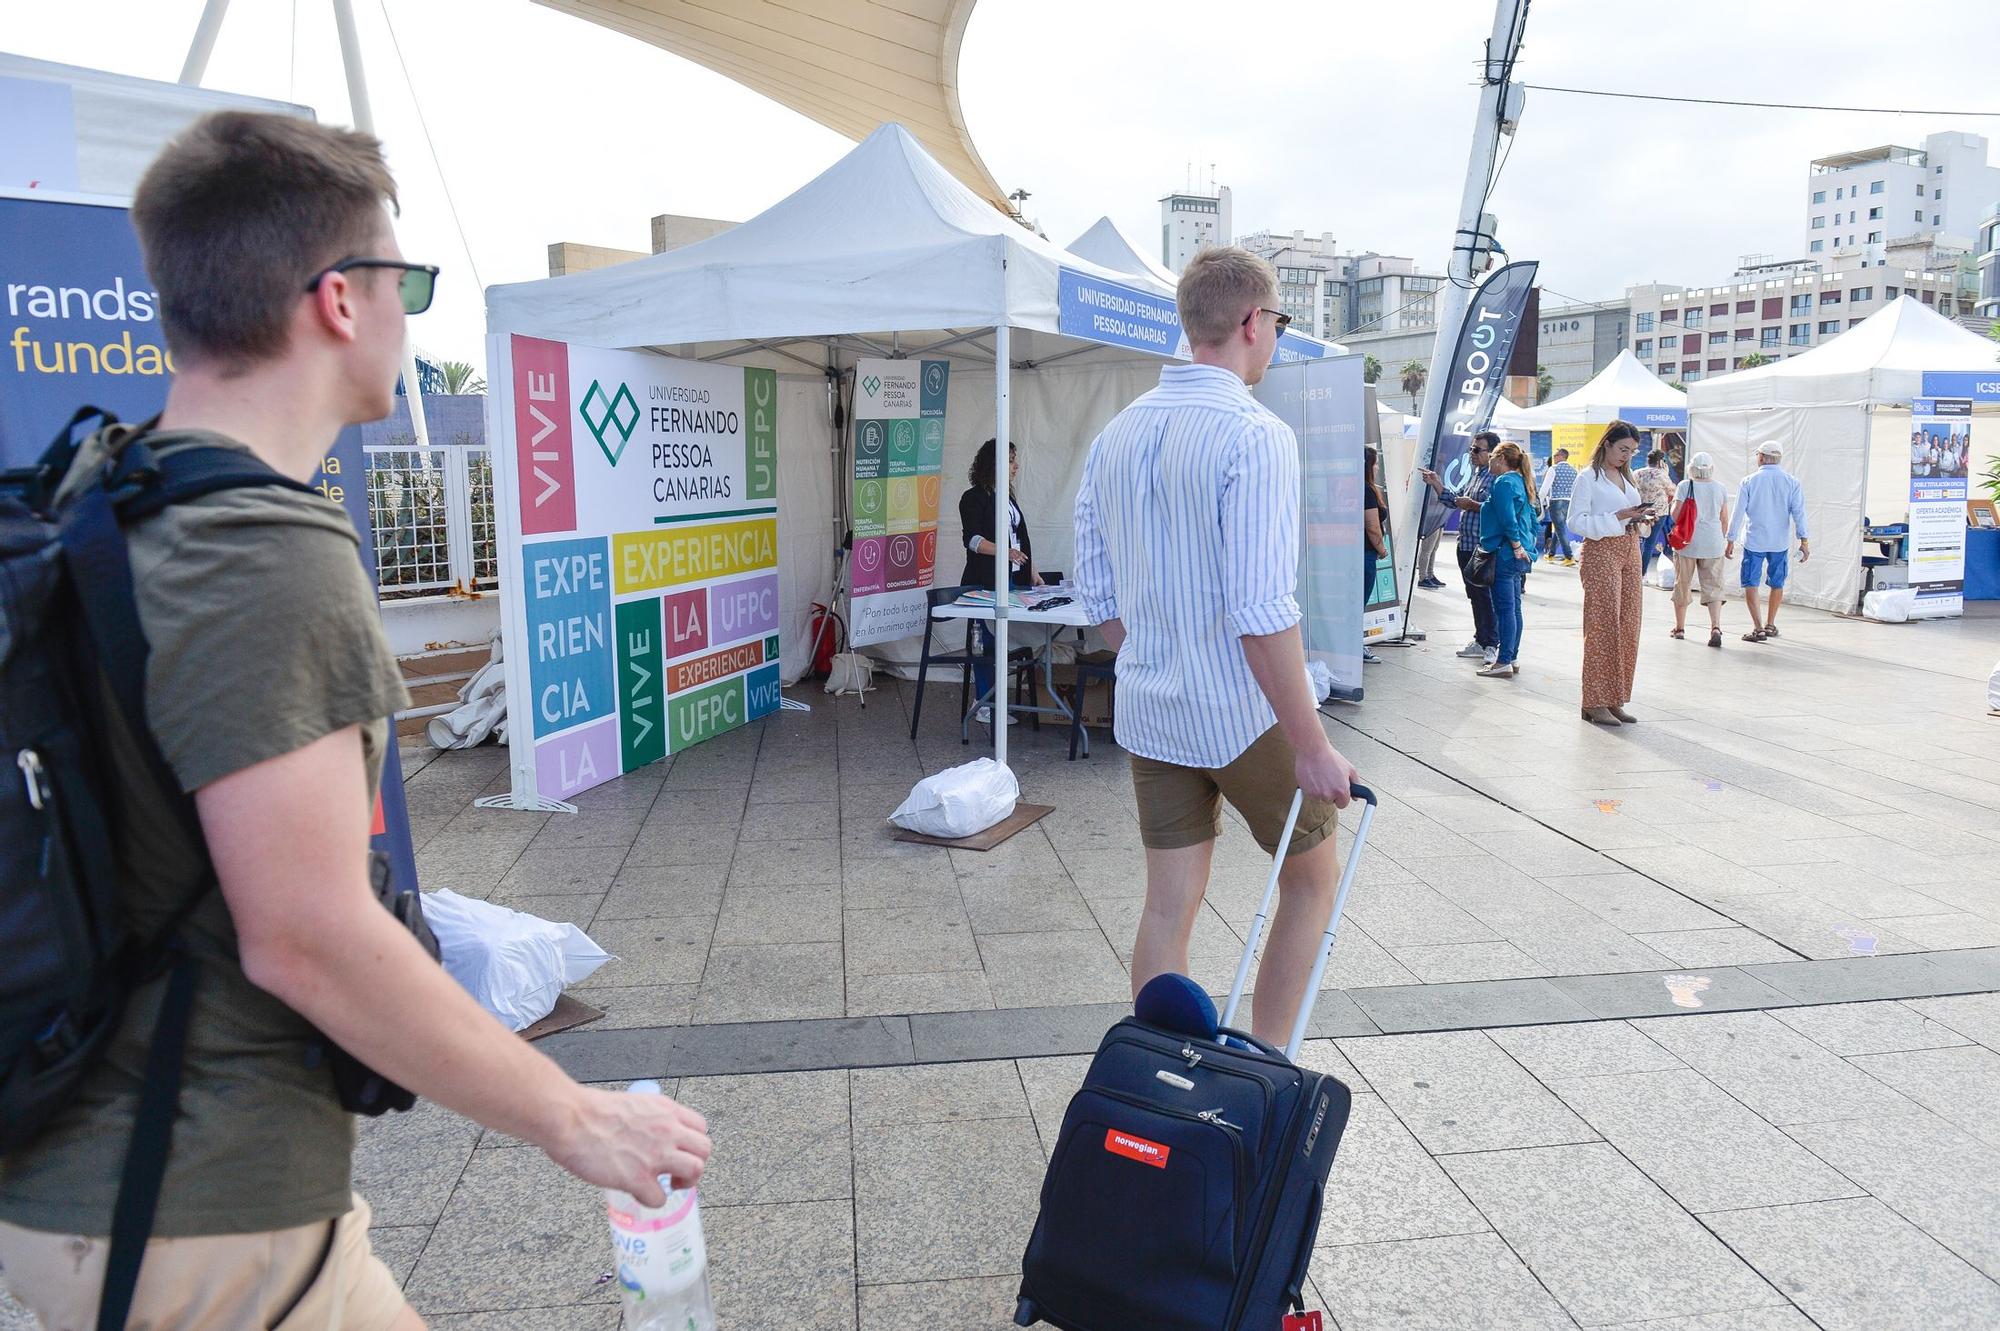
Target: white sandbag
{"x":515,"y":964}
{"x":1993,"y":689}
{"x":1667,"y":575}
{"x":1891,"y":605}
{"x":959,"y":801}
{"x":851,"y":673}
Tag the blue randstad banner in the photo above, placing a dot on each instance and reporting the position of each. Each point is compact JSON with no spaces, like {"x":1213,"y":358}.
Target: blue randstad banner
{"x":82,"y":327}
{"x":1474,"y":375}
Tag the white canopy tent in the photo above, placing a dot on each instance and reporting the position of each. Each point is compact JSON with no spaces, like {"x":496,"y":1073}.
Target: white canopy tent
{"x":884,"y":254}
{"x":1621,"y":390}
{"x":1109,"y":247}
{"x":1842,"y":411}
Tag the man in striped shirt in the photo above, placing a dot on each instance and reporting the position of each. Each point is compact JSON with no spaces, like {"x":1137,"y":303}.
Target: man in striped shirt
{"x":1187,"y":554}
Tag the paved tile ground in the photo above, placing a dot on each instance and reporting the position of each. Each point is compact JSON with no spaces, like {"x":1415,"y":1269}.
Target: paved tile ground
{"x":1791,"y":829}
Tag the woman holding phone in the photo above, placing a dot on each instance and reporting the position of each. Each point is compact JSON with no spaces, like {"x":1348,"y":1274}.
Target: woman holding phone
{"x":1605,"y":509}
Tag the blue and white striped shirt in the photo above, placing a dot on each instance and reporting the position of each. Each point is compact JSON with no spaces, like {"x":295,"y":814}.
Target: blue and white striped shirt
{"x":1187,"y":530}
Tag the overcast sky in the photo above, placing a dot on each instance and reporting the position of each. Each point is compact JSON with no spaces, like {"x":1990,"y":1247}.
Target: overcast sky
{"x":549,"y":128}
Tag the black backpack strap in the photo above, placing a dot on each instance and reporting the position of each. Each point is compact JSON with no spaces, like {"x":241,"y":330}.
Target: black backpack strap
{"x":94,"y":550}
{"x":152,"y":1137}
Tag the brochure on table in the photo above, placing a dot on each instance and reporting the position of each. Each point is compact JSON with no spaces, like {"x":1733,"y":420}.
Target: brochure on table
{"x":899,"y":415}
{"x":639,"y":551}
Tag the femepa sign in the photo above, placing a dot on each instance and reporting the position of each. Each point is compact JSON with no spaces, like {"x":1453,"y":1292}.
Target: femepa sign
{"x":639,"y":553}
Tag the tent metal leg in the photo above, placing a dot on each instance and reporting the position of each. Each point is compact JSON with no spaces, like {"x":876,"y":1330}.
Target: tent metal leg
{"x":1002,"y":568}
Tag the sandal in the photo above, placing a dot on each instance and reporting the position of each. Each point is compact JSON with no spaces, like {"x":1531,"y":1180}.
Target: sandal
{"x":1677,"y":633}
{"x":1755,"y":635}
{"x":1715,"y":637}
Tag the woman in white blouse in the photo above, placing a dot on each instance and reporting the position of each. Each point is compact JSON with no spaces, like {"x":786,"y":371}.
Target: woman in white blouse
{"x":1606,"y":511}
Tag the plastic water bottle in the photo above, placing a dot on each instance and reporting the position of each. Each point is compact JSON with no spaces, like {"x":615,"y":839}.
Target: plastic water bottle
{"x":662,"y":1260}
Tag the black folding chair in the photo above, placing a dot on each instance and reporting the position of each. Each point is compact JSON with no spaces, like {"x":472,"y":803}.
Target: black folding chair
{"x":933,"y":598}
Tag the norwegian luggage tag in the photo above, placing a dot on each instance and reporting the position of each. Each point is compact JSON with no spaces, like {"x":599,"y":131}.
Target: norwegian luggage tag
{"x":1303,"y":1321}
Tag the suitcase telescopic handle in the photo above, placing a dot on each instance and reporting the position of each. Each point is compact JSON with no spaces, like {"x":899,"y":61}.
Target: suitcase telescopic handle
{"x":1368,"y":803}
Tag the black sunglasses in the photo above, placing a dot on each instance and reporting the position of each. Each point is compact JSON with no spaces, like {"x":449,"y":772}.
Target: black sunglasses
{"x":1284,"y":320}
{"x":416,"y":286}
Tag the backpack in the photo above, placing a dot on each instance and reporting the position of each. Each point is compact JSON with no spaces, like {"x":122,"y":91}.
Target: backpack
{"x":68,"y":620}
{"x":1684,"y":520}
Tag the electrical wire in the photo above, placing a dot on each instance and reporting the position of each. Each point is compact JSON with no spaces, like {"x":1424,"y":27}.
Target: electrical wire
{"x":1762,"y":106}
{"x":424,"y":125}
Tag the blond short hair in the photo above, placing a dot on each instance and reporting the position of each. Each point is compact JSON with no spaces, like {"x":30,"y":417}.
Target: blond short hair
{"x":1217,"y":287}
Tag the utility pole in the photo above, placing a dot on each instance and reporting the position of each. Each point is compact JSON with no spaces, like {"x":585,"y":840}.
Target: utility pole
{"x":1499,"y":111}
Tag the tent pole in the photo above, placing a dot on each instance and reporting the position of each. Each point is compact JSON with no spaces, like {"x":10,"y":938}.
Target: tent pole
{"x":1002,"y":567}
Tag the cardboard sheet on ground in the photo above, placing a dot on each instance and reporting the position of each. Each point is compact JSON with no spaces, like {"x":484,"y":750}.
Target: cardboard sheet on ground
{"x":1025,"y":816}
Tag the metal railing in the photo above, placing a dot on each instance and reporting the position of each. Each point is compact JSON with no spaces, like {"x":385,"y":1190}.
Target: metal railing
{"x":432,"y":514}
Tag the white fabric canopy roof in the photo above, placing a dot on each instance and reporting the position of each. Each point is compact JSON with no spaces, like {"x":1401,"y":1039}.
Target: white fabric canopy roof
{"x":1842,"y":413}
{"x":883,"y":241}
{"x":1625,"y":382}
{"x":1108,"y":247}
{"x":851,"y":65}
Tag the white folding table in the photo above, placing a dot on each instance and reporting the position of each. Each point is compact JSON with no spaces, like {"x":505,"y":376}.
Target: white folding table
{"x":1052,"y":622}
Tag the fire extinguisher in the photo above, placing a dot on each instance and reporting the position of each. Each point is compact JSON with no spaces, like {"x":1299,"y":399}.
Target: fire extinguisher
{"x":829,"y":633}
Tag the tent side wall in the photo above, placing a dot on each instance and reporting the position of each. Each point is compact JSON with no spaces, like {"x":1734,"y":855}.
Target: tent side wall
{"x":1826,"y":447}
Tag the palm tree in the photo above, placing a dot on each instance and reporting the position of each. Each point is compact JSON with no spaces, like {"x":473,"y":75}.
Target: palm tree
{"x":1414,"y":373}
{"x":460,"y":377}
{"x":1545,"y":384}
{"x":1677,"y":384}
{"x":1371,"y":369}
{"x":1753,"y":360}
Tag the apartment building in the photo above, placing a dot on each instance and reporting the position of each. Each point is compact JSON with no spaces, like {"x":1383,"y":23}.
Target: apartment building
{"x":1777,"y":310}
{"x":1860,"y":203}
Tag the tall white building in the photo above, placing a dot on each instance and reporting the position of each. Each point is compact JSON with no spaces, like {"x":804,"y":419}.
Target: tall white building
{"x":1858,"y":203}
{"x":1190,"y":223}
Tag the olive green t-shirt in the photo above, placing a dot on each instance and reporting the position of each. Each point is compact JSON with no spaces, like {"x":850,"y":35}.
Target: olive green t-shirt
{"x":264,"y":637}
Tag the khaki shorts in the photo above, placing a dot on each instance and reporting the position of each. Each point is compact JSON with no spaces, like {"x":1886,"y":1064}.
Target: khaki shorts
{"x":1182,"y":806}
{"x":313,"y":1278}
{"x":1710,"y":571}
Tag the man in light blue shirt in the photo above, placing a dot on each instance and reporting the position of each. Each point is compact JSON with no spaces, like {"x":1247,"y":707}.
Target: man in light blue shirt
{"x":1187,"y":554}
{"x":1769,"y":506}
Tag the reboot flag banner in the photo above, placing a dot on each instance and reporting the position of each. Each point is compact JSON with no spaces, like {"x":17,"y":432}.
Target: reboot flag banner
{"x":1474,"y":375}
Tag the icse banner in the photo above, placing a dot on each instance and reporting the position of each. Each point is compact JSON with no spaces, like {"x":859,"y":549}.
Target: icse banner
{"x":899,"y":415}
{"x":639,"y":506}
{"x":1940,"y":450}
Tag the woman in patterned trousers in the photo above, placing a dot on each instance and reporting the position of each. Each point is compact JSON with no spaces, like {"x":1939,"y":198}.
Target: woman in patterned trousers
{"x":1606,"y":511}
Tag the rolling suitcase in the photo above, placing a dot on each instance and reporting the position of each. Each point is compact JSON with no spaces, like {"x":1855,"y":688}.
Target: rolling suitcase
{"x":1185,"y":1188}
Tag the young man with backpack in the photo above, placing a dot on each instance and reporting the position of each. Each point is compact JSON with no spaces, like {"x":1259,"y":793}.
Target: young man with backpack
{"x":267,"y":691}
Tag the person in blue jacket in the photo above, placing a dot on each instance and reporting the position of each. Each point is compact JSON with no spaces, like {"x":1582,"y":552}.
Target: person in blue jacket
{"x":1507,"y":529}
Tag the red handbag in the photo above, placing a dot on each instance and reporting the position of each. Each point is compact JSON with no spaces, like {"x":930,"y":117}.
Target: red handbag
{"x":1683,"y":530}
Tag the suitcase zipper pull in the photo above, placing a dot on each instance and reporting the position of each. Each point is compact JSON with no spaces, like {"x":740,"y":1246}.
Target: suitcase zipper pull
{"x":1215,"y":1116}
{"x":30,"y":764}
{"x":1191,"y":1054}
